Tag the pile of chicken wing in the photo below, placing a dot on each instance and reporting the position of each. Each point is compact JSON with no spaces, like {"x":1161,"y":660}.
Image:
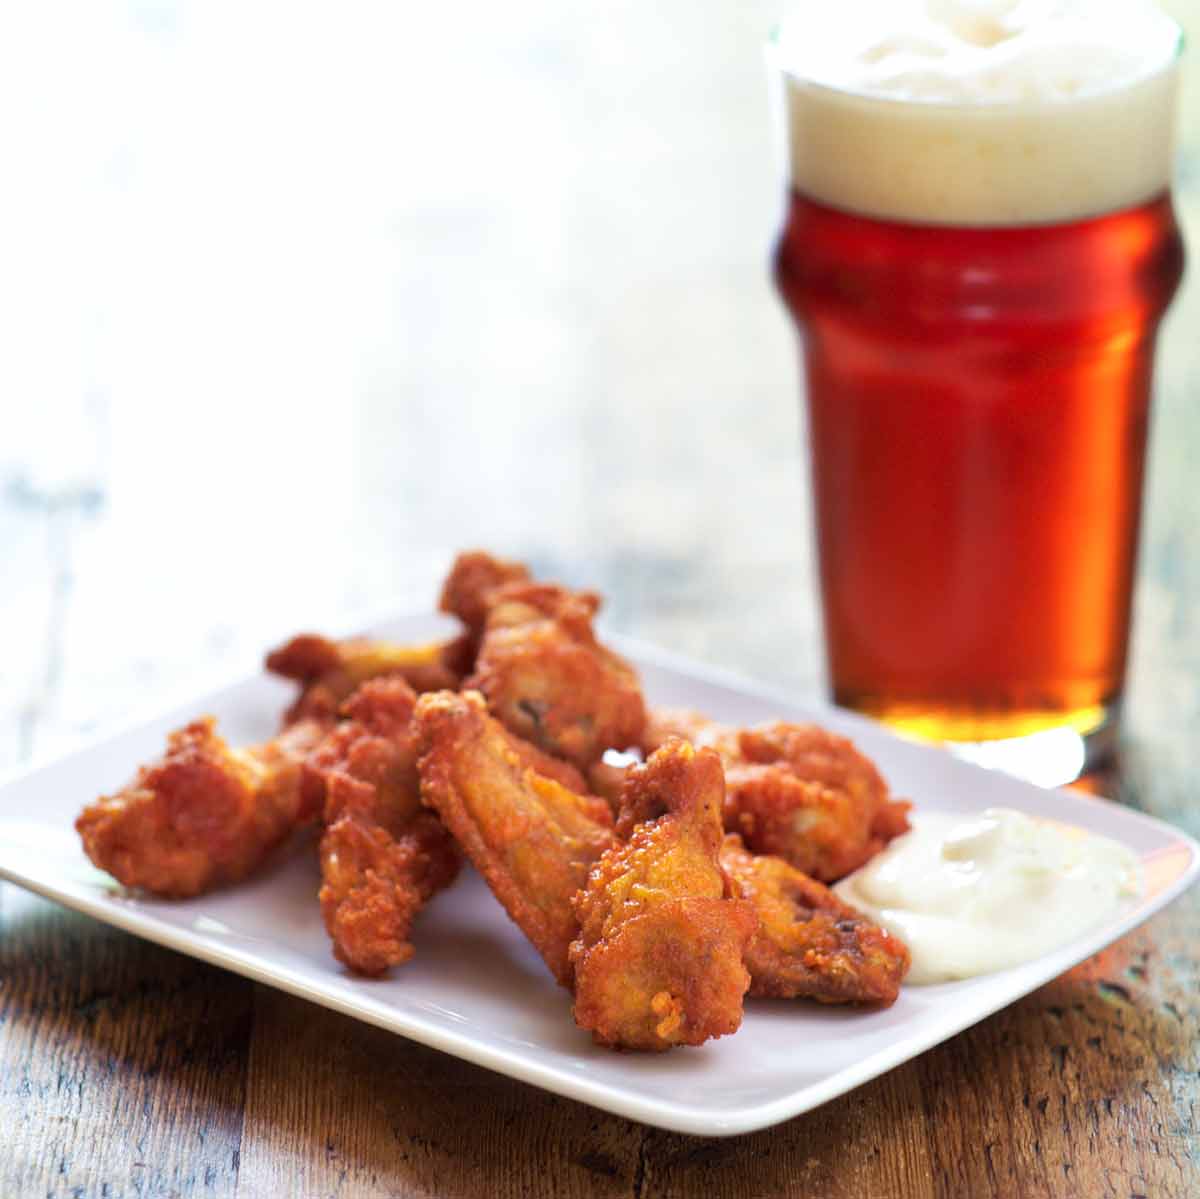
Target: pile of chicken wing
{"x":663,"y":865}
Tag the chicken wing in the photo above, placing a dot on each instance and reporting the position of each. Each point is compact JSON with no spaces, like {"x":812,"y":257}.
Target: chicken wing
{"x":658,"y":959}
{"x":810,"y":944}
{"x":796,"y":790}
{"x":548,"y":679}
{"x":329,"y":671}
{"x":474,"y":575}
{"x":382,"y":855}
{"x":204,"y":814}
{"x":531,"y":837}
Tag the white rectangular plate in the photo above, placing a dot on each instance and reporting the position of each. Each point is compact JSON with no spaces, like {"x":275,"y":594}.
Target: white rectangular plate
{"x":477,"y":989}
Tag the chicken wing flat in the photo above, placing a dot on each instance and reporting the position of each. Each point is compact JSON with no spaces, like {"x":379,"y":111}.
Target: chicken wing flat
{"x":658,"y":960}
{"x":810,"y":944}
{"x":383,"y":856}
{"x":204,"y":814}
{"x":330,"y":671}
{"x":796,"y":790}
{"x":531,"y":837}
{"x":547,"y":678}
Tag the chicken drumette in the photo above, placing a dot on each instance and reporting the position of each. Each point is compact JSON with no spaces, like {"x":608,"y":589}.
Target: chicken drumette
{"x":537,"y":661}
{"x":383,"y":856}
{"x":547,"y":678}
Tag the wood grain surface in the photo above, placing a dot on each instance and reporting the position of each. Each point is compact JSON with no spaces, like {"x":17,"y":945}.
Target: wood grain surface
{"x":309,"y":301}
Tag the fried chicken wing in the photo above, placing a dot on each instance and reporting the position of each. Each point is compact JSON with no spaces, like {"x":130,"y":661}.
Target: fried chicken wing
{"x":329,"y":671}
{"x":658,"y":959}
{"x":796,"y":790}
{"x":204,"y":814}
{"x":538,"y":663}
{"x":376,"y":743}
{"x":810,"y":944}
{"x":382,"y":855}
{"x":532,"y":838}
{"x":474,"y":575}
{"x":375,"y":881}
{"x":548,"y":679}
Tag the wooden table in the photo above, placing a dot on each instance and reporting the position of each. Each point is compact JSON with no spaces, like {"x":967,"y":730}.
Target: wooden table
{"x":302,"y":308}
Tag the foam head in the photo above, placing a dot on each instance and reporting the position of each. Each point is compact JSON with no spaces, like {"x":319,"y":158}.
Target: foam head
{"x":980,"y":111}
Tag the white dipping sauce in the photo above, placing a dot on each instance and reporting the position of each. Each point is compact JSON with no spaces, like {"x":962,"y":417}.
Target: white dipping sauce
{"x":973,"y":894}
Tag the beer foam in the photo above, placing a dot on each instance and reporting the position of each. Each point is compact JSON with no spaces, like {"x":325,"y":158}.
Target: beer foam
{"x":980,"y":112}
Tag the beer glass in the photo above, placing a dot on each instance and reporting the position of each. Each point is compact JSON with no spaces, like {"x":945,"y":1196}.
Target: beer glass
{"x":977,"y":272}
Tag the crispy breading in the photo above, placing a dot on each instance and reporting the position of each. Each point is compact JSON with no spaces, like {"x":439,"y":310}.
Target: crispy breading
{"x":665,"y":723}
{"x":329,"y":671}
{"x":810,"y":944}
{"x":548,"y":679}
{"x":532,"y":838}
{"x":375,"y":879}
{"x":796,"y":790}
{"x":382,"y":855}
{"x":891,"y":820}
{"x":474,"y":575}
{"x":204,"y":814}
{"x":376,"y":742}
{"x":658,"y":960}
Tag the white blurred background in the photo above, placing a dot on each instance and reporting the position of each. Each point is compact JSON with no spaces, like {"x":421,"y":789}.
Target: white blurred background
{"x":296,"y":299}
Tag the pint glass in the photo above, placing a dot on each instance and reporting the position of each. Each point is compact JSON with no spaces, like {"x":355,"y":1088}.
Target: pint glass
{"x":977,"y":278}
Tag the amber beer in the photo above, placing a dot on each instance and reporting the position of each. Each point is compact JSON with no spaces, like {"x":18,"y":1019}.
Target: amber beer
{"x":978,"y":363}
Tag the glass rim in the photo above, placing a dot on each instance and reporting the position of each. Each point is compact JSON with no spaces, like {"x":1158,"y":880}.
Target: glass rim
{"x":1169,"y":63}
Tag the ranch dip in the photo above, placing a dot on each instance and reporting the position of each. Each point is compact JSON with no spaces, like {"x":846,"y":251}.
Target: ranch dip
{"x":973,"y":894}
